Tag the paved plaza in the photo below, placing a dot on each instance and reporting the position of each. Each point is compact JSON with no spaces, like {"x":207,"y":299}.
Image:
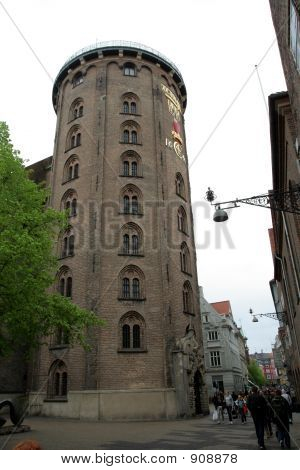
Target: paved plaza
{"x":187,"y":434}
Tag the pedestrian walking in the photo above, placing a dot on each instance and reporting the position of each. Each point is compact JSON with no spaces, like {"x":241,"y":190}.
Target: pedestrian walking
{"x":281,"y":419}
{"x":257,"y":406}
{"x":218,"y":401}
{"x":229,"y":405}
{"x":288,"y":398}
{"x":241,"y":406}
{"x":269,"y":414}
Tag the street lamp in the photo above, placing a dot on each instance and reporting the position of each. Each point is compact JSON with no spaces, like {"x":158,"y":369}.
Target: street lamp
{"x":284,"y":201}
{"x":274,"y":315}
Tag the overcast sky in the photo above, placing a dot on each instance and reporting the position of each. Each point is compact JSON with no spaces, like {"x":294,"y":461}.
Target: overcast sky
{"x":216,"y":45}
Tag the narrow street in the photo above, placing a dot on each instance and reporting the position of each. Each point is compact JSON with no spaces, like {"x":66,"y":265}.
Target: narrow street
{"x":197,"y":433}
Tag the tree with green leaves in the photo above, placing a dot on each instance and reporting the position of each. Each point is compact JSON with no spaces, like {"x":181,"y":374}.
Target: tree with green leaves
{"x":256,"y":375}
{"x":29,"y":312}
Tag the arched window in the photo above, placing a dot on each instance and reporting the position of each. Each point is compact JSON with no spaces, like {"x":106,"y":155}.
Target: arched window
{"x":125,"y":107}
{"x":69,"y":287}
{"x":129,"y":69}
{"x":78,"y":79}
{"x":62,"y":286}
{"x":135,"y":244}
{"x":125,"y":168}
{"x":58,"y":380}
{"x":76,"y":170}
{"x":180,"y":187}
{"x":73,"y":207}
{"x":71,"y":169}
{"x":126,"y":336}
{"x":76,"y":109}
{"x":131,"y":164}
{"x":187,"y":294}
{"x":182,"y":220}
{"x":136,"y":330}
{"x":132,"y":332}
{"x":73,"y":138}
{"x":68,"y":244}
{"x":69,"y":202}
{"x":125,"y":288}
{"x":131,"y":240}
{"x":134,"y":205}
{"x":64,"y":281}
{"x":132,"y":283}
{"x":131,"y":200}
{"x":134,"y":169}
{"x":126,"y":243}
{"x":130,"y":133}
{"x":126,"y":205}
{"x":185,"y":259}
{"x":126,"y":136}
{"x":133,"y":137}
{"x":135,"y":288}
{"x":131,"y":103}
{"x":133,"y":107}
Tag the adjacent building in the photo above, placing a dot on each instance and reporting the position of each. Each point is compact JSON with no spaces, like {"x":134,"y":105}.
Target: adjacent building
{"x":120,"y":169}
{"x":225,"y":348}
{"x":285,"y":146}
{"x":267,"y":364}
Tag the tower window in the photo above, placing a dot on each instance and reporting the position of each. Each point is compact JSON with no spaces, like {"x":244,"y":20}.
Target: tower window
{"x":132,"y":332}
{"x":129,"y":70}
{"x":132,"y":283}
{"x":78,"y":79}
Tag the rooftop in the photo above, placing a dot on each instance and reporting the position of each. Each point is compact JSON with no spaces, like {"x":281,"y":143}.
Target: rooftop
{"x":223,"y":307}
{"x":128,"y":49}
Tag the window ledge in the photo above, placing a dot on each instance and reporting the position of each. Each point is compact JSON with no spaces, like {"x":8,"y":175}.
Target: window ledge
{"x":74,"y":119}
{"x":182,"y":197}
{"x":138,"y":255}
{"x":189,"y":313}
{"x":71,"y":179}
{"x":132,"y":350}
{"x":71,"y":148}
{"x":130,"y":143}
{"x":131,"y":176}
{"x":56,"y":399}
{"x":140,"y":214}
{"x":185,"y":272}
{"x":130,"y":114}
{"x":182,"y":231}
{"x":59,"y":346}
{"x":132,"y":299}
{"x":67,"y":256}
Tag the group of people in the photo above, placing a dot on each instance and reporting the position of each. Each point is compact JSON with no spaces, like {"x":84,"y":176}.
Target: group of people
{"x":267,"y":407}
{"x":235,"y":405}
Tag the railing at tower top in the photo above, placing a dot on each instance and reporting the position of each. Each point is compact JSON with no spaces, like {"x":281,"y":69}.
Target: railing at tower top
{"x":120,"y":44}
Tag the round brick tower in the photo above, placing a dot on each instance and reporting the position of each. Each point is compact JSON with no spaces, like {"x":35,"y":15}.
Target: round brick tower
{"x":120,"y":167}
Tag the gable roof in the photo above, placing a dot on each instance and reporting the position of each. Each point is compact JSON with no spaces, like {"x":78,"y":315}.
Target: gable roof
{"x":223,"y":307}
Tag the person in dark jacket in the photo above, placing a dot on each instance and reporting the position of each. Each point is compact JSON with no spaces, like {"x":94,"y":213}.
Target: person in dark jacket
{"x":281,"y":419}
{"x":257,"y":405}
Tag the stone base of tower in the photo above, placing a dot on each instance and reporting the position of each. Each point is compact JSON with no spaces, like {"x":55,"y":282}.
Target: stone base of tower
{"x":109,"y":405}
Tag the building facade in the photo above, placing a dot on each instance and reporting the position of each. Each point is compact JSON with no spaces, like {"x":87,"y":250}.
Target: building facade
{"x":225,"y":348}
{"x":285,"y":145}
{"x":267,"y":365}
{"x":120,"y":170}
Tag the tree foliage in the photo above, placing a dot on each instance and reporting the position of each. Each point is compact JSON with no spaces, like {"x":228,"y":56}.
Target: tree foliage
{"x":28,"y":229}
{"x":256,"y":375}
